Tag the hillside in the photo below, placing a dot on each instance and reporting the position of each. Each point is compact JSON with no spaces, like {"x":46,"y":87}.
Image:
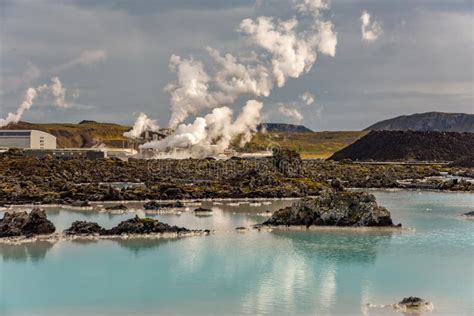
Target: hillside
{"x":308,"y":144}
{"x":408,"y":146}
{"x":430,"y":121}
{"x":82,"y":135}
{"x":282,"y":127}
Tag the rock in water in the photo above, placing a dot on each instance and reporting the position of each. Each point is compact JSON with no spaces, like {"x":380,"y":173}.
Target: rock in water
{"x":84,"y":228}
{"x":139,"y":225}
{"x":333,"y":208}
{"x":202,"y":211}
{"x":469,"y":215}
{"x":155,"y":206}
{"x":119,"y":207}
{"x":80,"y":204}
{"x":24,"y":224}
{"x":414,"y":304}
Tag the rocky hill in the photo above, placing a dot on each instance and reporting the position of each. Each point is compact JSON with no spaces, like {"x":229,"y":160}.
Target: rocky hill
{"x":282,"y":127}
{"x":408,"y":146}
{"x":430,"y":121}
{"x":82,"y":135}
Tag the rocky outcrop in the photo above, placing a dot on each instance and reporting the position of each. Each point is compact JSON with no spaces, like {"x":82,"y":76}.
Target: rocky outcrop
{"x":26,"y":224}
{"x":133,"y":226}
{"x":408,"y":306}
{"x":469,"y":215}
{"x":286,"y":161}
{"x":119,"y":207}
{"x":414,"y":304}
{"x":333,"y":208}
{"x":84,"y":228}
{"x":155,"y":205}
{"x":80,"y":204}
{"x":202,"y":211}
{"x":139,"y":225}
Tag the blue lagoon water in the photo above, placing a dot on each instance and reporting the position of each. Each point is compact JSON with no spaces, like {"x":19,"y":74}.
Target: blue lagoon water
{"x":284,"y":272}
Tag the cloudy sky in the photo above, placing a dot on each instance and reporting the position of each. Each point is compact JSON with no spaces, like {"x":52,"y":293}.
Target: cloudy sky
{"x":112,"y":56}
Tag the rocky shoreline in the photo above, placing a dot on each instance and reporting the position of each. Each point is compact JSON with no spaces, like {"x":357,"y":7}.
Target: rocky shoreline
{"x":20,"y":227}
{"x":26,"y":180}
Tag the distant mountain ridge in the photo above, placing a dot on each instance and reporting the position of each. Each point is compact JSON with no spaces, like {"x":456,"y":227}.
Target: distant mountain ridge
{"x":282,"y":127}
{"x":429,"y":121}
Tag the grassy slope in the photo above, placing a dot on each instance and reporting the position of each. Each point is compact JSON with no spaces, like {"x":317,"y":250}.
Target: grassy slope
{"x":80,"y":135}
{"x":308,"y":144}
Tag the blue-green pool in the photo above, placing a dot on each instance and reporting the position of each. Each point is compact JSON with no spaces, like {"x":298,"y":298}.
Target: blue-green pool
{"x":331,"y":273}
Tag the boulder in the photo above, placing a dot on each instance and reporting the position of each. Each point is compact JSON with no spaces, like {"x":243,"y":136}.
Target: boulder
{"x":414,"y":304}
{"x":469,"y":214}
{"x":119,"y":207}
{"x":84,"y":228}
{"x":139,"y":225}
{"x":155,"y":206}
{"x":80,"y":204}
{"x":333,"y":208}
{"x":26,"y":224}
{"x":202,"y":211}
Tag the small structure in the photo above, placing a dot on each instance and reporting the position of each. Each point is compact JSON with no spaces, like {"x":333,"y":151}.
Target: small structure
{"x":27,"y":139}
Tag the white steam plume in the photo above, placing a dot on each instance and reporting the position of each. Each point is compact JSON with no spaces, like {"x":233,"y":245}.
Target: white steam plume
{"x":213,"y":133}
{"x":282,"y":50}
{"x":142,"y":124}
{"x":288,"y":54}
{"x":55,"y":90}
{"x":307,"y":98}
{"x":190,"y":93}
{"x":292,"y":113}
{"x":86,"y":58}
{"x":370,"y":31}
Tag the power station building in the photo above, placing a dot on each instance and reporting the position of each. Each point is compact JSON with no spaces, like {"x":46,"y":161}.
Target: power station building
{"x":27,"y":139}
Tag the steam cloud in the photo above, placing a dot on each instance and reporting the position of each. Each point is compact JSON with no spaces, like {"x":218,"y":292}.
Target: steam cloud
{"x":291,"y":113}
{"x":212,"y":134}
{"x":307,"y":98}
{"x":55,"y":90}
{"x":142,"y":124}
{"x":370,"y":31}
{"x":282,"y":50}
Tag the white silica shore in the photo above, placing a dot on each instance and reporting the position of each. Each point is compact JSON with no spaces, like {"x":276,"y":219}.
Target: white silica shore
{"x":361,"y":229}
{"x":56,"y":237}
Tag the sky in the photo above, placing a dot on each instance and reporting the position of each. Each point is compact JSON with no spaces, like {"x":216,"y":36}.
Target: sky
{"x":112,"y":57}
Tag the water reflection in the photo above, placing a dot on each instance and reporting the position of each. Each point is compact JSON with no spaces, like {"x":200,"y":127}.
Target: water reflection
{"x":33,"y":252}
{"x":139,"y":246}
{"x":316,"y":263}
{"x":340,"y":247}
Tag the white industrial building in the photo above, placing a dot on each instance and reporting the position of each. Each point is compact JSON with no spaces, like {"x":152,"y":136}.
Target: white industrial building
{"x":27,"y":139}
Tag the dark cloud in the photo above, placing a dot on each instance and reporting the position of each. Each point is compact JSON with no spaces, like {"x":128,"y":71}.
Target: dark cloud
{"x":145,"y":7}
{"x":421,"y":62}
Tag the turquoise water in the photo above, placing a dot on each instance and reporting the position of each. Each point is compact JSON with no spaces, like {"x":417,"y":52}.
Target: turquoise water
{"x":331,"y":273}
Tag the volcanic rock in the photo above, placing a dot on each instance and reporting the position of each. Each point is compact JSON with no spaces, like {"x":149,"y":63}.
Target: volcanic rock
{"x":333,"y":208}
{"x":119,"y":207}
{"x":80,"y":204}
{"x":202,"y":211}
{"x":139,"y":225}
{"x":26,"y":224}
{"x":414,"y":304}
{"x":84,"y":228}
{"x":154,"y":205}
